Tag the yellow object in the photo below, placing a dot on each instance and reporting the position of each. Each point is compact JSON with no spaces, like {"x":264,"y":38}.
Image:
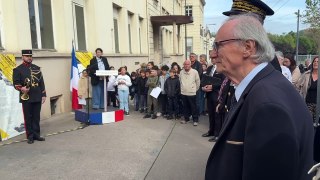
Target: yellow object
{"x":7,"y":63}
{"x":4,"y":135}
{"x":84,"y":58}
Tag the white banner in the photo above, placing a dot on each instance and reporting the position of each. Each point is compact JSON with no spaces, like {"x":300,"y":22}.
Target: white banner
{"x":11,"y":115}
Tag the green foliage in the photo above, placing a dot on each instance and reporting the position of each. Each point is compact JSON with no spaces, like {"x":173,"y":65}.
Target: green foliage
{"x":312,"y":13}
{"x":287,"y":43}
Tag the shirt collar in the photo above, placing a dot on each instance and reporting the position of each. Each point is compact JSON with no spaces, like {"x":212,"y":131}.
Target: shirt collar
{"x":245,"y":82}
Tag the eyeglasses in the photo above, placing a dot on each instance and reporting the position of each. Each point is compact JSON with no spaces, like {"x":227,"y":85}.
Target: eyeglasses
{"x":216,"y":45}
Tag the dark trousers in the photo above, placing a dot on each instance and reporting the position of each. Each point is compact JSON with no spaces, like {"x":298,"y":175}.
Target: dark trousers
{"x":172,"y":106}
{"x":136,"y":101}
{"x":198,"y":100}
{"x":180,"y":103}
{"x":152,"y":103}
{"x":31,"y":112}
{"x":190,"y":107}
{"x":111,"y":98}
{"x":215,"y":119}
{"x":162,"y":99}
{"x":143,"y":101}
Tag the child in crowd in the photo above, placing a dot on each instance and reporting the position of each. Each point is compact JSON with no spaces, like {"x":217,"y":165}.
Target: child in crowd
{"x":111,"y":90}
{"x":148,"y":71}
{"x":133,"y":91}
{"x":152,"y":83}
{"x":142,"y":90}
{"x":172,"y":88}
{"x":177,"y":69}
{"x":162,"y":99}
{"x":83,"y":89}
{"x":123,"y":82}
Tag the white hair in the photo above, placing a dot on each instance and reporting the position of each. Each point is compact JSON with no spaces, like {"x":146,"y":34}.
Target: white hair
{"x":279,"y":54}
{"x":249,"y":28}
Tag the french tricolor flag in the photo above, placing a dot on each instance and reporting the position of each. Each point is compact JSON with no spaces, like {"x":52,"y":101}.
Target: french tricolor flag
{"x":74,"y":81}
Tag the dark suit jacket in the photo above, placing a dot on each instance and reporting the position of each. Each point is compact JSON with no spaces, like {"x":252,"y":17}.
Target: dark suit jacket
{"x":197,"y":66}
{"x":267,"y":135}
{"x":275,"y":63}
{"x":93,"y":67}
{"x":216,"y":83}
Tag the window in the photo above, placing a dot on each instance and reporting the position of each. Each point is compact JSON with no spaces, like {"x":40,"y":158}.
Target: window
{"x":0,"y":39}
{"x":140,"y":29}
{"x":1,"y":46}
{"x":188,"y":10}
{"x":79,"y":27}
{"x":189,"y":46}
{"x":116,"y":35}
{"x":116,"y":10}
{"x":130,"y":16}
{"x":40,"y":18}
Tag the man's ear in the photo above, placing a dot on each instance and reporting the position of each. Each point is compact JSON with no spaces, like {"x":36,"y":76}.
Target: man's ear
{"x":249,"y":48}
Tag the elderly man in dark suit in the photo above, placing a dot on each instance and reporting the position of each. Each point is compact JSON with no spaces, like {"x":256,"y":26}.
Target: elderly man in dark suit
{"x":98,"y":63}
{"x":268,"y":133}
{"x":210,"y":83}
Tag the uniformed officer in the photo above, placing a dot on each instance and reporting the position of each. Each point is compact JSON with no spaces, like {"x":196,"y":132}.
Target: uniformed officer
{"x":28,"y":80}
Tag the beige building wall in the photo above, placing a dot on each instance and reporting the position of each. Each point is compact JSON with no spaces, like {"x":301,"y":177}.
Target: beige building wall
{"x":194,"y":29}
{"x":142,"y":42}
{"x":99,"y":30}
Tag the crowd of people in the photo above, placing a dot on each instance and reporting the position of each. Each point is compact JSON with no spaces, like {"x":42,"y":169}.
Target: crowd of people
{"x":186,"y":93}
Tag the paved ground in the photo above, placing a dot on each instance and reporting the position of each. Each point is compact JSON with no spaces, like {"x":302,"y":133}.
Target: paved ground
{"x":135,"y":148}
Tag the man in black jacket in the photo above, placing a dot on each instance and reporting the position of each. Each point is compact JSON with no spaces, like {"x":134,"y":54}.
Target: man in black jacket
{"x":210,"y":83}
{"x":195,"y":64}
{"x":28,"y":80}
{"x":97,"y":63}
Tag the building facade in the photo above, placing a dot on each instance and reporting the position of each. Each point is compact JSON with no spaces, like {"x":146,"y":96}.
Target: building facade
{"x":196,"y":38}
{"x":130,"y":33}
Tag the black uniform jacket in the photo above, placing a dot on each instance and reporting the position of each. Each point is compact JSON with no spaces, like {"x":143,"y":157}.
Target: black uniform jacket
{"x":215,"y":81}
{"x":93,"y":67}
{"x":33,"y":73}
{"x":267,"y":135}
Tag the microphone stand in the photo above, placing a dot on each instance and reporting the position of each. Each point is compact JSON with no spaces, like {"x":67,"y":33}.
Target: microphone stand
{"x":89,"y":67}
{"x":88,"y":100}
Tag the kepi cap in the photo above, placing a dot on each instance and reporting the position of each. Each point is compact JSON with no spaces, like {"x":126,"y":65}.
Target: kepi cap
{"x":246,"y":6}
{"x":26,"y":52}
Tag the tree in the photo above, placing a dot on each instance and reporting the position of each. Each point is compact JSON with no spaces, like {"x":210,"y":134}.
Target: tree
{"x":287,"y":42}
{"x":312,"y":16}
{"x":312,"y":13}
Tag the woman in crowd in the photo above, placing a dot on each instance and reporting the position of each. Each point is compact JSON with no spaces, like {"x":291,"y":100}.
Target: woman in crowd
{"x":307,"y":87}
{"x":290,"y":63}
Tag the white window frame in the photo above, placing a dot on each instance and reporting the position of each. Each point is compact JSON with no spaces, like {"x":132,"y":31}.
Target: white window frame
{"x":188,"y":11}
{"x":36,"y":12}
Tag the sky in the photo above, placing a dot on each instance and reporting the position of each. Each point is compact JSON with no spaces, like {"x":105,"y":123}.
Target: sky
{"x":283,"y":21}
